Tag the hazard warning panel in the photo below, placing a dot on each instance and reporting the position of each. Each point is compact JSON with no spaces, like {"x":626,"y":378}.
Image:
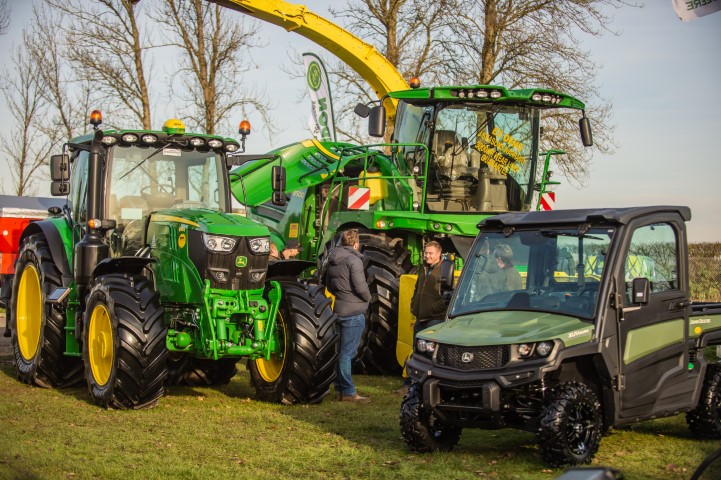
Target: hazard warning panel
{"x":548,"y":201}
{"x":359,"y":198}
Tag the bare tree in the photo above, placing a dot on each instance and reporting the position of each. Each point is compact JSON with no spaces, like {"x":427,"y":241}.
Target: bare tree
{"x":406,"y":32}
{"x":108,"y":49}
{"x":67,"y":95}
{"x":26,"y":146}
{"x":216,"y":54}
{"x":4,"y":17}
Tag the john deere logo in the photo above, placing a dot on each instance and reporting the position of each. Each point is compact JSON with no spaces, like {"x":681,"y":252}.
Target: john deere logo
{"x":313,"y":76}
{"x":467,"y":357}
{"x":241,"y":261}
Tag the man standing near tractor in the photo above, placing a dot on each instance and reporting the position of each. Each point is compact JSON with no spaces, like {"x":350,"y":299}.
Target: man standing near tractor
{"x":346,"y":280}
{"x":428,"y":304}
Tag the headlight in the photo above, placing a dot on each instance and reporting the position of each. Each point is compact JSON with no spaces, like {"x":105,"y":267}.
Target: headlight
{"x":543,"y":349}
{"x":218,"y":244}
{"x":215,"y":143}
{"x":426,"y":346}
{"x":525,"y":350}
{"x":259,"y":245}
{"x":130,"y":138}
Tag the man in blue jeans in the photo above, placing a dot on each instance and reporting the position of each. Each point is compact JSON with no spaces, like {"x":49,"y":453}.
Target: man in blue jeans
{"x":346,"y":280}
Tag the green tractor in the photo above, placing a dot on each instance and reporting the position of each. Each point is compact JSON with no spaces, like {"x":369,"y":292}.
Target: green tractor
{"x":457,"y":155}
{"x":145,"y":278}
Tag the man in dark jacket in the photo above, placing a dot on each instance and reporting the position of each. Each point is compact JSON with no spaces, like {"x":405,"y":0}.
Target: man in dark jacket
{"x":428,"y":305}
{"x":346,"y":280}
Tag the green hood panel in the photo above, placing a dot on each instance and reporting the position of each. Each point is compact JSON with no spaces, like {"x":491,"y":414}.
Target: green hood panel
{"x":306,"y":164}
{"x":213,"y":222}
{"x":509,"y":327}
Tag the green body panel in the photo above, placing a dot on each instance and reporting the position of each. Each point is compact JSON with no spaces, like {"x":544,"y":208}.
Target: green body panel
{"x":645,"y":340}
{"x":211,"y":221}
{"x":509,"y":327}
{"x":701,"y":324}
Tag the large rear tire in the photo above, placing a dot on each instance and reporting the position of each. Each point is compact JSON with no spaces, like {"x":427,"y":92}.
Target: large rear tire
{"x":304,"y":367}
{"x":124,"y":342}
{"x":387,"y":259}
{"x":38,"y":335}
{"x":704,"y":421}
{"x":571,"y":426}
{"x":422,"y":431}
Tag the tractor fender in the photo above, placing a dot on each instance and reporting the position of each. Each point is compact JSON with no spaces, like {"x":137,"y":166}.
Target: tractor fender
{"x":130,"y":265}
{"x":287,"y":268}
{"x":55,"y":244}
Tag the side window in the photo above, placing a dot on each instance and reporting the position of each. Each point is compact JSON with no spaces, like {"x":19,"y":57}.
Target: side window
{"x":79,"y":187}
{"x":653,"y":254}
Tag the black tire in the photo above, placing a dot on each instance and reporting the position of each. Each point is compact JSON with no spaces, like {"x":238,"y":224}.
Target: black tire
{"x":124,"y":342}
{"x":386,"y":260}
{"x":422,"y":431}
{"x":38,"y":329}
{"x":570,"y":426}
{"x":304,"y":368}
{"x":704,"y":421}
{"x":204,"y":372}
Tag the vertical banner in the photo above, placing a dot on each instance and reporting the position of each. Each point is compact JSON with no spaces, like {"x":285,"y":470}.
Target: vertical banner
{"x":688,"y":10}
{"x":321,"y":122}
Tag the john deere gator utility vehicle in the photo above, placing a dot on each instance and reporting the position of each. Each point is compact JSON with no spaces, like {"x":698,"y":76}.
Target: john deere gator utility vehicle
{"x":457,"y":155}
{"x":145,"y":278}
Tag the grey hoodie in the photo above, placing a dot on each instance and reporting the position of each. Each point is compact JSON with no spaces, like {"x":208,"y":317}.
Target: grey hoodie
{"x":345,"y":279}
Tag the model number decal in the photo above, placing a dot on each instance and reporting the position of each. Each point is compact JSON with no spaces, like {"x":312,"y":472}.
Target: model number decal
{"x":578,"y":333}
{"x":700,"y":321}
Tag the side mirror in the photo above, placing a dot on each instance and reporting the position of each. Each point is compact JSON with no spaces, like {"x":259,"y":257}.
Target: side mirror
{"x":446,"y":277}
{"x":362,"y":110}
{"x":641,"y":290}
{"x":277,"y":182}
{"x":59,"y":168}
{"x":59,"y":189}
{"x":586,"y":136}
{"x":377,"y":121}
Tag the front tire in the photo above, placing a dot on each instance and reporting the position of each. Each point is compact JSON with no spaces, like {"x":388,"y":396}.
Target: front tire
{"x":571,"y":426}
{"x":422,"y":431}
{"x":38,"y":335}
{"x":704,"y":421}
{"x":124,"y":342}
{"x":304,"y":367}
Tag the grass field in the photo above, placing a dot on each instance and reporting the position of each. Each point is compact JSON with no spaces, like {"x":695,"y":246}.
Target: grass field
{"x":223,"y":433}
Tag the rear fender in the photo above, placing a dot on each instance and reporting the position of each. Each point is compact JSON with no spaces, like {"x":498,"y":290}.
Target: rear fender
{"x":129,"y":265}
{"x":60,"y":247}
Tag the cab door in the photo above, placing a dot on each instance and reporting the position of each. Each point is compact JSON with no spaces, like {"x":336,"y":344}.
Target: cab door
{"x":653,"y":337}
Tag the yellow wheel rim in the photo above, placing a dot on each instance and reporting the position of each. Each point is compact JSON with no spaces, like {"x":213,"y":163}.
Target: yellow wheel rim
{"x":270,"y":370}
{"x":29,"y":312}
{"x":100,"y":345}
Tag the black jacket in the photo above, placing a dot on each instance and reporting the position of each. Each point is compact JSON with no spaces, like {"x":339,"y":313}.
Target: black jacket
{"x":427,"y":303}
{"x":346,"y":280}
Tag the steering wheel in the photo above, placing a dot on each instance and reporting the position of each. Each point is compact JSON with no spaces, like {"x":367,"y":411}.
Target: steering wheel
{"x":163,"y":198}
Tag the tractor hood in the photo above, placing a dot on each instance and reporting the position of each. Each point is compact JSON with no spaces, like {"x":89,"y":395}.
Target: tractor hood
{"x":509,"y":327}
{"x":306,"y":164}
{"x":212,"y":221}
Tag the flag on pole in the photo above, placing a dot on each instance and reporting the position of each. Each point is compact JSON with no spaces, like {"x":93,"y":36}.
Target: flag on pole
{"x":321,"y":123}
{"x":688,"y":10}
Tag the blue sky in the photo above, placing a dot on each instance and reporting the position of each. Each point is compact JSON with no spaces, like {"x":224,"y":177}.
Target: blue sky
{"x":661,"y":74}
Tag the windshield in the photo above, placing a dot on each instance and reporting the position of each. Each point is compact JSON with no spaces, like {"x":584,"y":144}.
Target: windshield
{"x":555,"y":270}
{"x":145,"y":179}
{"x":482,"y":156}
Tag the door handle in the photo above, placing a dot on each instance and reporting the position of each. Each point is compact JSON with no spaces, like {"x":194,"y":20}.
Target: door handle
{"x":680,"y":305}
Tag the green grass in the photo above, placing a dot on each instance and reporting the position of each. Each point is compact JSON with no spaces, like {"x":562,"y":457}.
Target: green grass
{"x":223,"y":433}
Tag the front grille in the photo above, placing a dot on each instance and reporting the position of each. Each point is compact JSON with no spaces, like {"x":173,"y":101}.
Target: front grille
{"x":473,"y":358}
{"x":236,"y":278}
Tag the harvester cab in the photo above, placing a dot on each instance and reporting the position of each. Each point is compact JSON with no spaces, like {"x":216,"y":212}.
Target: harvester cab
{"x":151,"y":280}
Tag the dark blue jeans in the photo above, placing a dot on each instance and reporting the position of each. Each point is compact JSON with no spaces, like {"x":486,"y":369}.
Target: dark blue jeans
{"x":350,"y":330}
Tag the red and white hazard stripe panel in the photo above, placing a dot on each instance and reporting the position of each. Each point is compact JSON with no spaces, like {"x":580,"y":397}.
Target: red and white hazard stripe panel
{"x":548,"y":201}
{"x":359,"y":198}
